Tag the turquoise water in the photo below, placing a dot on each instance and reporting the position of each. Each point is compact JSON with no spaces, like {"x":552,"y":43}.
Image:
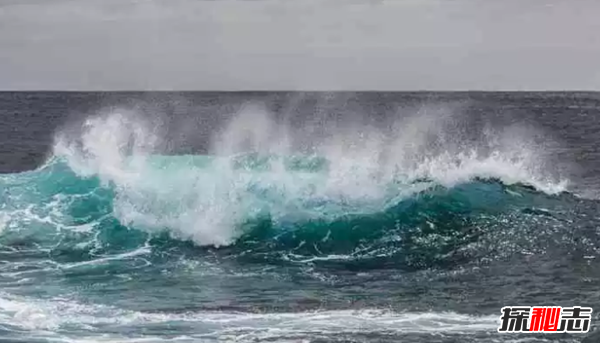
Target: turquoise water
{"x":267,"y":207}
{"x":257,"y":247}
{"x":419,"y":235}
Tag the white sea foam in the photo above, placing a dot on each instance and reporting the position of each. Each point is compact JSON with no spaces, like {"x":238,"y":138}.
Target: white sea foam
{"x":44,"y":318}
{"x":4,"y":220}
{"x":206,"y":204}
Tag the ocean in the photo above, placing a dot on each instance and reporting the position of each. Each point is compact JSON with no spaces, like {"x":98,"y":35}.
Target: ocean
{"x":295,"y":217}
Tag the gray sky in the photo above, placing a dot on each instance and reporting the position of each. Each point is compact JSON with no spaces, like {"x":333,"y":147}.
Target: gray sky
{"x":299,"y":45}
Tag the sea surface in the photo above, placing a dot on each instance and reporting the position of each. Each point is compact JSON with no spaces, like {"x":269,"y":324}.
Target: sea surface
{"x":295,"y":217}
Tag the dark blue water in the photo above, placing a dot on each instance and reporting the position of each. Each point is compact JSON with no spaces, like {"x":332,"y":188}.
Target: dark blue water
{"x":288,"y":217}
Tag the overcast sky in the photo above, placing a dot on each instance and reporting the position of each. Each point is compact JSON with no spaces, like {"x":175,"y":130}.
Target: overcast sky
{"x":299,"y":45}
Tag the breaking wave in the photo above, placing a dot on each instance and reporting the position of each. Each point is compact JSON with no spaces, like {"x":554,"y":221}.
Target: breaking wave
{"x":418,"y":199}
{"x":422,"y":195}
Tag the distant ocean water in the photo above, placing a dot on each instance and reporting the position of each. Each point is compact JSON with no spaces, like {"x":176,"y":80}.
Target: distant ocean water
{"x":294,"y":217}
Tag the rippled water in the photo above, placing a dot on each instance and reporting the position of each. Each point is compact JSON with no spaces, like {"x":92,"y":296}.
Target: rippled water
{"x":416,"y":227}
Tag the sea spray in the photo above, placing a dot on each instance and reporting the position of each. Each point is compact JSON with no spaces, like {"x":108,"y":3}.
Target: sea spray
{"x":208,"y":198}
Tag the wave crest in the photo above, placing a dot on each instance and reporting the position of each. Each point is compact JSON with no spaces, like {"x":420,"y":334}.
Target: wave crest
{"x":206,"y":199}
